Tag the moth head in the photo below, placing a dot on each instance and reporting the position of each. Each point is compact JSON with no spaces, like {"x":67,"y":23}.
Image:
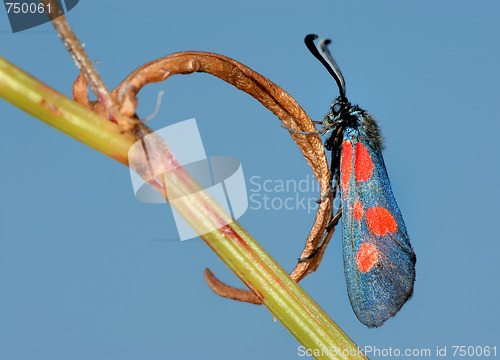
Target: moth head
{"x":338,"y":111}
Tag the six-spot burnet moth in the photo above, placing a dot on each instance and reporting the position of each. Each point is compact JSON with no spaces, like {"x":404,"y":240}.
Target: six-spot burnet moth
{"x":379,"y":261}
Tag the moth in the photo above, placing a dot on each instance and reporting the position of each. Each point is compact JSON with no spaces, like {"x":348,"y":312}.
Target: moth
{"x":379,"y":261}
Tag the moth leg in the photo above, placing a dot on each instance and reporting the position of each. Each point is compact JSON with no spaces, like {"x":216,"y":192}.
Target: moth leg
{"x":333,"y":172}
{"x":320,"y":131}
{"x":333,"y":143}
{"x":329,"y":228}
{"x":328,"y":191}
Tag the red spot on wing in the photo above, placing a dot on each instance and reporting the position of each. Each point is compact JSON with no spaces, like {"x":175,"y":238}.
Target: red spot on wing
{"x":366,"y":257}
{"x":358,"y":210}
{"x":346,"y":164}
{"x":363,"y":164}
{"x":380,"y":221}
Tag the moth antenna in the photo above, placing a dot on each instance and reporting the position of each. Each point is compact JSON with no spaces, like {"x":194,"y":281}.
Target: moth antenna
{"x":323,"y":47}
{"x":327,"y":60}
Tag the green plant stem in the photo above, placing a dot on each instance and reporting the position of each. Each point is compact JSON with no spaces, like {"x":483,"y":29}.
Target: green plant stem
{"x":305,"y":320}
{"x":64,"y":114}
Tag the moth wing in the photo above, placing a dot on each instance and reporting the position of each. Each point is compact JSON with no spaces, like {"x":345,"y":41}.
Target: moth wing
{"x":379,"y":262}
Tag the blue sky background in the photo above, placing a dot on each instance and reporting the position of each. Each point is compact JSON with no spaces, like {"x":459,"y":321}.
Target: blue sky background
{"x":88,"y":272}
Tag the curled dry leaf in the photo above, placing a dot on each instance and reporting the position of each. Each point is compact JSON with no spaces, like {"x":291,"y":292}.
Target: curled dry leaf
{"x":81,"y":96}
{"x":279,"y":103}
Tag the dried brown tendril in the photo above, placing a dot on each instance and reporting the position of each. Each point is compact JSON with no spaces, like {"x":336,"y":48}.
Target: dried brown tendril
{"x":273,"y":98}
